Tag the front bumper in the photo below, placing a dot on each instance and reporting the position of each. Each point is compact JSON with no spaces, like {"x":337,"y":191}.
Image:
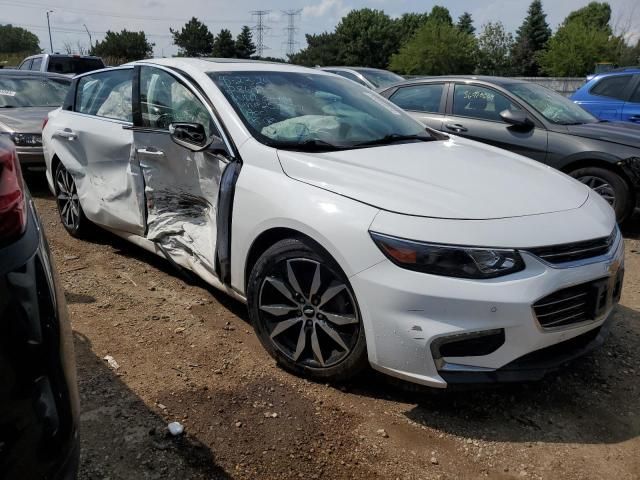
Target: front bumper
{"x":405,"y":312}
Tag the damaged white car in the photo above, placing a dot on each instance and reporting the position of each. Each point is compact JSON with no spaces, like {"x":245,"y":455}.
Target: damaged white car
{"x":354,"y":235}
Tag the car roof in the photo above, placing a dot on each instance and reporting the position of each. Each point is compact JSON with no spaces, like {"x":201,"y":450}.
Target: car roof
{"x":5,"y":72}
{"x":225,"y":64}
{"x":70,"y":55}
{"x":450,"y":78}
{"x":356,"y":69}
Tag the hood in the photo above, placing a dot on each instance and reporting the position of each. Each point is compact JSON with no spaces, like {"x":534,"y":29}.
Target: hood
{"x":624,"y":133}
{"x":24,"y":119}
{"x":457,"y":179}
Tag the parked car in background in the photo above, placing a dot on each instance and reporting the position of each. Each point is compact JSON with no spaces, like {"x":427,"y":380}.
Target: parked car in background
{"x":25,"y":100}
{"x":63,"y":64}
{"x":352,"y":232}
{"x":38,"y":394}
{"x":613,"y":96}
{"x":533,"y":121}
{"x":372,"y":78}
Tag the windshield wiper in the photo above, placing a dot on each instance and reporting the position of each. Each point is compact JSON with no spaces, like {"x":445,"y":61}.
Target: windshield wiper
{"x":8,"y":106}
{"x":311,"y":145}
{"x":393,"y":138}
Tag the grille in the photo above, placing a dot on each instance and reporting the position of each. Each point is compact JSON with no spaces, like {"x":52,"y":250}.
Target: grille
{"x":570,"y":252}
{"x":572,"y":305}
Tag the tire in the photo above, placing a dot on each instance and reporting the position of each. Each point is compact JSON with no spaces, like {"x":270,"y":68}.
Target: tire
{"x":71,"y":214}
{"x":611,"y":186}
{"x":305,"y":313}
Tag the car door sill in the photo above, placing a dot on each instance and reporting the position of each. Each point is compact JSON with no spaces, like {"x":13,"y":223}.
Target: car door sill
{"x":202,"y":273}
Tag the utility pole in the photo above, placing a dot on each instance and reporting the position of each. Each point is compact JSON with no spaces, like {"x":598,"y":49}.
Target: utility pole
{"x":88,"y":33}
{"x":49,"y":27}
{"x":291,"y":30}
{"x":260,"y":28}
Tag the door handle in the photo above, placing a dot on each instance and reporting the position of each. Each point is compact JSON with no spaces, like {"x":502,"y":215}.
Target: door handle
{"x":456,"y":127}
{"x":66,"y":133}
{"x":150,"y":151}
{"x":635,"y":118}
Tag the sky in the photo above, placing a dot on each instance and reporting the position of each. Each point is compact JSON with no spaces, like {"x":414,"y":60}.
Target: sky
{"x":155,"y":17}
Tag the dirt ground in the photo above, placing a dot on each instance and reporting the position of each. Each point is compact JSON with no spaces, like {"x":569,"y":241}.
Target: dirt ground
{"x":187,"y":353}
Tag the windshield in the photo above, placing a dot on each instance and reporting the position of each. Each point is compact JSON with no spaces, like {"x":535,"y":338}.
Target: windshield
{"x":551,"y":105}
{"x":73,"y":65}
{"x":309,"y":111}
{"x":380,"y":78}
{"x":32,"y":91}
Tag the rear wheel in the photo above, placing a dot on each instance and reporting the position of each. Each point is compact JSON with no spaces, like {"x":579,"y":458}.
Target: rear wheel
{"x":610,"y":186}
{"x":69,"y":208}
{"x":305,"y":313}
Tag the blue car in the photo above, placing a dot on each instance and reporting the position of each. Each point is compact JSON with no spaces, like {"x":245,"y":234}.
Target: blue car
{"x":613,"y":96}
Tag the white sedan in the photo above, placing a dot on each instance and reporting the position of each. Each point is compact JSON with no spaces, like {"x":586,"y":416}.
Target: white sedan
{"x":354,"y":235}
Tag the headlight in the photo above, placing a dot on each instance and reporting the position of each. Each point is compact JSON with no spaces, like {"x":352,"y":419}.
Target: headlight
{"x":449,"y":260}
{"x":27,"y":139}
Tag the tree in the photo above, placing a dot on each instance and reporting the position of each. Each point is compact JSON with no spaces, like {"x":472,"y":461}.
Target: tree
{"x":367,"y":38}
{"x":223,"y":45}
{"x":18,"y":40}
{"x":126,"y":46}
{"x":465,"y":23}
{"x":245,"y":47}
{"x":441,"y":14}
{"x":436,"y":49}
{"x":194,"y":39}
{"x":322,"y":49}
{"x":408,"y":24}
{"x":595,"y":14}
{"x":531,"y":38}
{"x":575,"y":49}
{"x":494,"y":50}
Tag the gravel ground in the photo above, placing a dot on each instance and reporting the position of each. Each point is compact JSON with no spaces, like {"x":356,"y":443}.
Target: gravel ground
{"x":187,"y":353}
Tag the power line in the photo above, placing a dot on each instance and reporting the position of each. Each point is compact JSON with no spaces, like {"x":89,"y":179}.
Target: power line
{"x":291,"y":30}
{"x":260,"y":28}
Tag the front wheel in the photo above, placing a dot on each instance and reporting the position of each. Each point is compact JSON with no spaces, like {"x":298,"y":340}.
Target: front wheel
{"x":610,"y":186}
{"x":305,"y":313}
{"x":68,"y":202}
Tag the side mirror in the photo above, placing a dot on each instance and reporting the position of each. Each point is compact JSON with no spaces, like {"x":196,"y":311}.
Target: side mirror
{"x":189,"y":135}
{"x":517,"y":118}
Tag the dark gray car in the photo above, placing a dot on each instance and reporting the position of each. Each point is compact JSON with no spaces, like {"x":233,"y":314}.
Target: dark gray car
{"x":533,"y":121}
{"x":25,"y":100}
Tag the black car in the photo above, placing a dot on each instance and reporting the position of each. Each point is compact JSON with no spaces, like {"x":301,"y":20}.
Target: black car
{"x":534,"y":121}
{"x":38,"y":391}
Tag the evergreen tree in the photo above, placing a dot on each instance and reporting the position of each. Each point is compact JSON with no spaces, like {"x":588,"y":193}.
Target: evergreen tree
{"x":194,"y":39}
{"x":531,"y":38}
{"x":126,"y":46}
{"x":223,"y":45}
{"x":245,"y":47}
{"x":408,"y":24}
{"x":465,"y":23}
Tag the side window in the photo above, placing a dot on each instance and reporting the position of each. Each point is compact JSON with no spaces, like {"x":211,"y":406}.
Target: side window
{"x":612,"y":87}
{"x":164,"y":100}
{"x":37,"y":63}
{"x":350,"y":76}
{"x":26,"y":64}
{"x":106,"y":94}
{"x":480,"y":102}
{"x":419,"y":98}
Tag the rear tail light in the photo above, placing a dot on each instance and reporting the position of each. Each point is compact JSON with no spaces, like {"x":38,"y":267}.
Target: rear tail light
{"x":44,"y":122}
{"x":13,"y":211}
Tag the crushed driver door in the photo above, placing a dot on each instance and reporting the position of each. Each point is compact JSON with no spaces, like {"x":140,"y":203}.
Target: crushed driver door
{"x":181,"y":185}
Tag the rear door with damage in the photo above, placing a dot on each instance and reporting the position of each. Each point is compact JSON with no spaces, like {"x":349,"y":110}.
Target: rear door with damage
{"x":181,"y":184}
